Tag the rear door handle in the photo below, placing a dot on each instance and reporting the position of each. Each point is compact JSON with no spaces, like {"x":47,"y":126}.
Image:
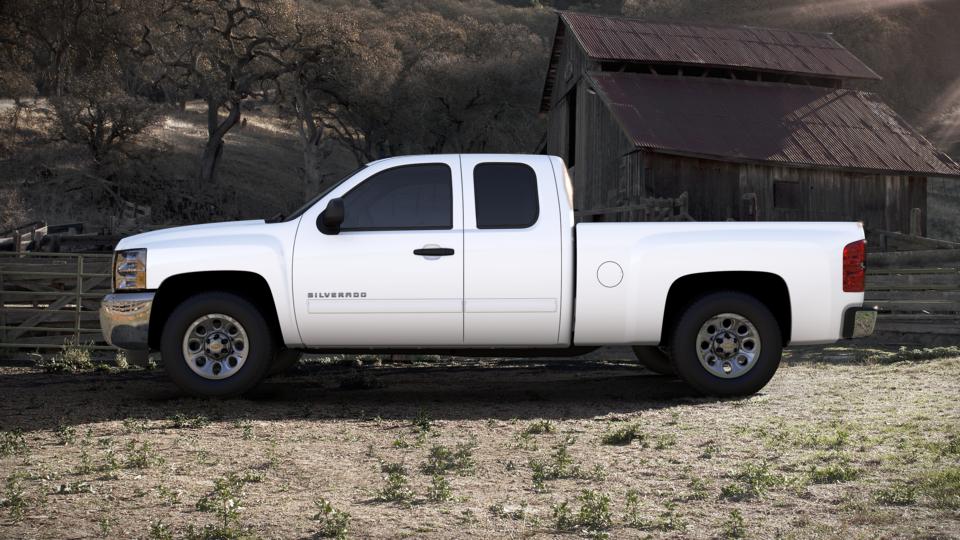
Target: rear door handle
{"x":433,"y":252}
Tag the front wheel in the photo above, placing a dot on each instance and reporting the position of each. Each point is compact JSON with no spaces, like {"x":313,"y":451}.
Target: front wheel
{"x":727,"y":344}
{"x":217,"y":345}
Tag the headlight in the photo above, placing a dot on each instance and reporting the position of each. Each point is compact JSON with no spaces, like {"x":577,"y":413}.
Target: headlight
{"x":130,"y":270}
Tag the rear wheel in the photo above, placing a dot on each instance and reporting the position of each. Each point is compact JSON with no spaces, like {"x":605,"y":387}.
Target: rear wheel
{"x":655,"y":359}
{"x":217,"y":345}
{"x":727,"y":344}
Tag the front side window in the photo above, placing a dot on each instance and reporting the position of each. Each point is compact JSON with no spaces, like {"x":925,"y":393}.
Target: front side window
{"x":410,"y":197}
{"x":506,"y":196}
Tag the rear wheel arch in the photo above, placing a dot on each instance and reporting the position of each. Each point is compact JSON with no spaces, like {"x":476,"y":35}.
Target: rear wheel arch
{"x":770,"y":289}
{"x":174,"y":290}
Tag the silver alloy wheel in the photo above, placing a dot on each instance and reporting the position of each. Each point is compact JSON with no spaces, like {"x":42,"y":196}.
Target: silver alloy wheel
{"x":728,"y":345}
{"x":215,"y":346}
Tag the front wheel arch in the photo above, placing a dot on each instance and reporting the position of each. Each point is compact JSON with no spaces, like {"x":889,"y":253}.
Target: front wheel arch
{"x":176,"y":289}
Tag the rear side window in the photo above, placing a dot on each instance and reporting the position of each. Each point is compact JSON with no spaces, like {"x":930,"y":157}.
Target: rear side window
{"x":506,"y":196}
{"x":407,"y":198}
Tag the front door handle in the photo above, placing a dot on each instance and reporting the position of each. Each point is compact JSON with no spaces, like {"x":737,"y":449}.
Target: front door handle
{"x":433,"y":252}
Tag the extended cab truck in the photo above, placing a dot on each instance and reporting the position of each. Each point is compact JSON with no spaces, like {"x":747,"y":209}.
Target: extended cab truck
{"x":479,"y":254}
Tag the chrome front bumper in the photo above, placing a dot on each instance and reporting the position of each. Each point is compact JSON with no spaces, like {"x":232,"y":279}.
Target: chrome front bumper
{"x":125,"y":319}
{"x":859,"y":323}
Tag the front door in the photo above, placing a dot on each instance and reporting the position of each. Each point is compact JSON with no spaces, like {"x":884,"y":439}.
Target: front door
{"x":393,"y":276}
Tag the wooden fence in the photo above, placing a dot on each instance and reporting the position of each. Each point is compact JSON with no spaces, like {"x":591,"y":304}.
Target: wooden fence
{"x":918,"y":294}
{"x":47,"y":299}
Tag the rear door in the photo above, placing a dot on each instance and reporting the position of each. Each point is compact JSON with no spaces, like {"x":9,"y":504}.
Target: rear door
{"x":512,"y":245}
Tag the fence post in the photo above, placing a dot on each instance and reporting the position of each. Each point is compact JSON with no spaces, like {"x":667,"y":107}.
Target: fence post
{"x":76,"y":327}
{"x":3,"y":309}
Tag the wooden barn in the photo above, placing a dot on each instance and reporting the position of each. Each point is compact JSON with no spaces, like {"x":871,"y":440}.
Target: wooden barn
{"x":750,"y":123}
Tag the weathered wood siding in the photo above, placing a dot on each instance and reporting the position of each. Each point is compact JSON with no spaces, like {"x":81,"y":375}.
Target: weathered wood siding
{"x":601,"y":178}
{"x":572,"y":66}
{"x":722,"y":190}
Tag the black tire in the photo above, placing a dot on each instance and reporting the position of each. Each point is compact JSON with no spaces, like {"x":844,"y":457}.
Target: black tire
{"x":655,"y":359}
{"x":684,"y":342}
{"x":260,"y":352}
{"x":284,"y":360}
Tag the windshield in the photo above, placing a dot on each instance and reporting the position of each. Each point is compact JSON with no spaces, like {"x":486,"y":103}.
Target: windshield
{"x":299,"y":211}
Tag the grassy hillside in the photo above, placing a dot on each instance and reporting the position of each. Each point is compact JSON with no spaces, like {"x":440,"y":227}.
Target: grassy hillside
{"x":59,"y":182}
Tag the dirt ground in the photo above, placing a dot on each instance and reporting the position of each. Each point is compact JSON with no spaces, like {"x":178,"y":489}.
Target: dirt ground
{"x":834,"y":447}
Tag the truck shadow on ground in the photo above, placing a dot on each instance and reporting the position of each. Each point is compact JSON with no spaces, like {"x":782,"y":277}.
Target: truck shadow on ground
{"x":451,"y":390}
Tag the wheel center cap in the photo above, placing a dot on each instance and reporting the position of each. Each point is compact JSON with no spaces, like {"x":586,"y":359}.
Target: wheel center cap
{"x":218,"y":345}
{"x":726,"y":345}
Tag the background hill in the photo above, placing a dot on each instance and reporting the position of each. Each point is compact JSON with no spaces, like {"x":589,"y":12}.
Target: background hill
{"x":219,"y":126}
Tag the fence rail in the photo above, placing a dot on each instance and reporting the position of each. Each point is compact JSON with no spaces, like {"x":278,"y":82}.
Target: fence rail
{"x":47,"y":299}
{"x":918,"y":295}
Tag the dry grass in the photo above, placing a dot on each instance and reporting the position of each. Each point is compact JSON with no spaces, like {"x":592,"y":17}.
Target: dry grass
{"x":834,"y":447}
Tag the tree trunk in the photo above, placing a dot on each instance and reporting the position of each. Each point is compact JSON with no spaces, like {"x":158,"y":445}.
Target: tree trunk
{"x":216,"y":131}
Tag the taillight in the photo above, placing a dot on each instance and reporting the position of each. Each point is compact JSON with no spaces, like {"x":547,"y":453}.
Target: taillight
{"x":854,"y":266}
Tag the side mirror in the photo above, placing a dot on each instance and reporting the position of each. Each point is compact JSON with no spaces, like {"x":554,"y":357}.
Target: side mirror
{"x":331,"y":218}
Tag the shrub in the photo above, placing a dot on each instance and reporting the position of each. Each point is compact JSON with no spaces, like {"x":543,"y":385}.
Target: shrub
{"x":73,"y":357}
{"x":396,"y":486}
{"x":624,"y":435}
{"x":897,"y":495}
{"x":593,"y":517}
{"x":753,"y":481}
{"x":439,"y":490}
{"x":734,"y":526}
{"x":539,"y":427}
{"x":12,"y":442}
{"x":442,"y":459}
{"x":332,"y":522}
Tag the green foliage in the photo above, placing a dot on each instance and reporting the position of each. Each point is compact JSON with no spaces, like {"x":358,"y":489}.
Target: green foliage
{"x":142,"y":455}
{"x":833,"y":473}
{"x":396,"y":485}
{"x":439,"y":490}
{"x":539,"y":427}
{"x":593,"y":518}
{"x":624,"y":435}
{"x":73,"y":357}
{"x":753,"y":481}
{"x":14,"y":498}
{"x":182,"y":421}
{"x":226,"y":502}
{"x":66,"y":434}
{"x":442,"y":459}
{"x":332,"y":523}
{"x":12,"y":443}
{"x":734,"y":527}
{"x":421,"y":422}
{"x":159,"y":531}
{"x":560,"y":465}
{"x":943,"y":487}
{"x":899,"y":494}
{"x":668,"y":520}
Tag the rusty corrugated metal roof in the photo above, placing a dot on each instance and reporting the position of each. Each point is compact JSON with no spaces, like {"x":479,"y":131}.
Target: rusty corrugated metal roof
{"x":764,"y":122}
{"x":742,"y":47}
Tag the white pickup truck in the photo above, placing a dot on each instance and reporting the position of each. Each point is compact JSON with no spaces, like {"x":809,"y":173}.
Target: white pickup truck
{"x":479,"y":255}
